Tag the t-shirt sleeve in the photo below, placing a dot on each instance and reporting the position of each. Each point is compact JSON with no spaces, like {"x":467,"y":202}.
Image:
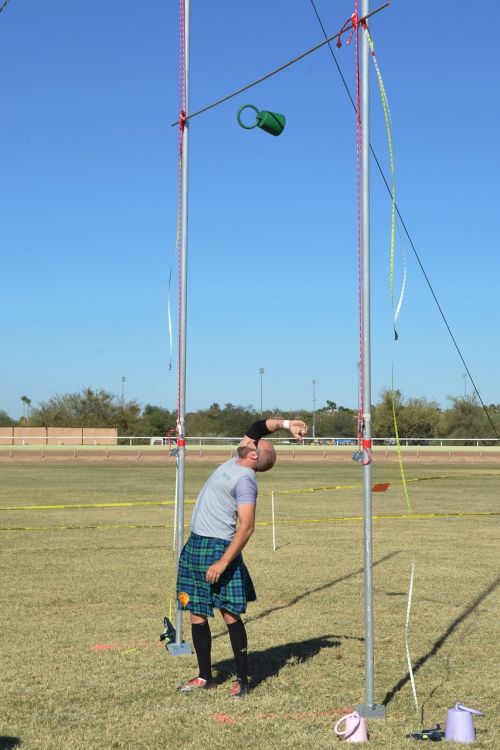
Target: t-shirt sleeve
{"x":246,"y":491}
{"x":257,"y":430}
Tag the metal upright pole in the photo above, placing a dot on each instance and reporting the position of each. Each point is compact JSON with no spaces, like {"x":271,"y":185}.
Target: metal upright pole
{"x":179,"y":647}
{"x":314,"y":410}
{"x":369,"y":709}
{"x":261,"y":373}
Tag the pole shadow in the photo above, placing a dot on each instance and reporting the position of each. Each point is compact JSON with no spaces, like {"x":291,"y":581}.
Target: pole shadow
{"x":9,"y":743}
{"x":439,"y":643}
{"x":305,"y":594}
{"x":268,"y":663}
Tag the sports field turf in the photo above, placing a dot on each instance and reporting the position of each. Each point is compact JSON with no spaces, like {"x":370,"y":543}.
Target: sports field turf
{"x":84,"y":591}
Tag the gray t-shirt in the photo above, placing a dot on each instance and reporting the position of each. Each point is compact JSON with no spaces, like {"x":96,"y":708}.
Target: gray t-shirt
{"x":216,"y":509}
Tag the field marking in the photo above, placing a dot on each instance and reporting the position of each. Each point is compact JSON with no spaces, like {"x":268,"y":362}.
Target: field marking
{"x":358,"y":485}
{"x":191,"y":501}
{"x":283,"y":715}
{"x":139,"y":503}
{"x":283,"y":522}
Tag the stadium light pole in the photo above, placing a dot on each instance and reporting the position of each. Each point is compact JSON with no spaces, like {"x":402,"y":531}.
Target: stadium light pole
{"x":314,"y":409}
{"x":369,"y":709}
{"x":464,"y":376}
{"x":261,"y":373}
{"x":124,"y":379}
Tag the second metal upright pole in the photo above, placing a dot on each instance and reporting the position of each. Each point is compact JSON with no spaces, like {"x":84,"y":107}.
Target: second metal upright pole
{"x":181,"y":648}
{"x":369,"y":709}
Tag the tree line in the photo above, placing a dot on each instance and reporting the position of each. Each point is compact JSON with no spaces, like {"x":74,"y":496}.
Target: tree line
{"x":416,"y":417}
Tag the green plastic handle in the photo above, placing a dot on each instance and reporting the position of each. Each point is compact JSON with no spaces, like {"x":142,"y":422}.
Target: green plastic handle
{"x":248,"y":106}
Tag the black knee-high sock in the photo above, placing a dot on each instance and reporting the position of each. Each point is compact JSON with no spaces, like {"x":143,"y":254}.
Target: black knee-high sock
{"x":202,"y":642}
{"x":239,"y":643}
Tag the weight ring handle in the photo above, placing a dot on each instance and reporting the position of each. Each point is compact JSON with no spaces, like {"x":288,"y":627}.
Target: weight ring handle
{"x":346,"y":732}
{"x":248,"y":106}
{"x":461,"y":707}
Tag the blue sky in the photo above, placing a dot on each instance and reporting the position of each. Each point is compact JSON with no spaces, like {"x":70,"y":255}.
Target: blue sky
{"x":88,"y":179}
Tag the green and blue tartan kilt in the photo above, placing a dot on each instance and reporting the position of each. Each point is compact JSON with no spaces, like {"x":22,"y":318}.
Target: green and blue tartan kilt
{"x":234,"y":588}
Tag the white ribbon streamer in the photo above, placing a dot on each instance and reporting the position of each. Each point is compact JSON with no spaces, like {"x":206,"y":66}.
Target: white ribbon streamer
{"x":407,"y":626}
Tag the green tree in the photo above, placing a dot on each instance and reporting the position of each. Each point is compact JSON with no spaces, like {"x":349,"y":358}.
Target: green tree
{"x":340,"y":422}
{"x":5,"y":420}
{"x":382,"y":413}
{"x":156,"y":421}
{"x":90,"y":408}
{"x":419,"y":418}
{"x":330,"y":406}
{"x":416,"y":417}
{"x":465,"y":419}
{"x":26,"y":407}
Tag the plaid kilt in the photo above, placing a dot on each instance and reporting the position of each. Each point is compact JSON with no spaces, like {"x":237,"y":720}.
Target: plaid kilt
{"x":231,"y":592}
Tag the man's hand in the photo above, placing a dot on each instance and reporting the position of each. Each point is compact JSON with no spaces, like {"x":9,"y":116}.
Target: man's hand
{"x":215,"y":571}
{"x":298,"y":428}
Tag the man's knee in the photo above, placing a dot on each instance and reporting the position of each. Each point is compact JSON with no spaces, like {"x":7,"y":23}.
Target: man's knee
{"x":197,"y":619}
{"x":229,"y":618}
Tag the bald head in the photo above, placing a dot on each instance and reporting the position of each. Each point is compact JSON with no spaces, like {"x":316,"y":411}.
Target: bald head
{"x":267,"y":456}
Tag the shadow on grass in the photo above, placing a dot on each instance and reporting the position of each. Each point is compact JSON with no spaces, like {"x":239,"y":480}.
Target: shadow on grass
{"x":442,"y":639}
{"x":268,"y":663}
{"x":8,"y":743}
{"x":299,"y":597}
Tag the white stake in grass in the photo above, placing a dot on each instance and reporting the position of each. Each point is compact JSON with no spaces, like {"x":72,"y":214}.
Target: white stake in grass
{"x":272,"y":519}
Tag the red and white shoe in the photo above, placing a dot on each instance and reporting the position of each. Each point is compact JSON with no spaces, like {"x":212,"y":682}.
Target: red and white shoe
{"x":197,"y":683}
{"x":239,"y":688}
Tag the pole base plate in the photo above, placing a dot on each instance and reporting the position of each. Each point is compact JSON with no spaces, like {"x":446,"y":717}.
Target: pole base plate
{"x":377,"y":711}
{"x":179,"y":649}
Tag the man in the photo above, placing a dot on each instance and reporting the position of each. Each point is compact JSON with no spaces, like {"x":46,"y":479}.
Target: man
{"x":211,"y":568}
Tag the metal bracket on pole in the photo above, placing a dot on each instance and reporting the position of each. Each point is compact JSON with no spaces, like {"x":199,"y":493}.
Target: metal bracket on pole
{"x":173,"y":637}
{"x":376,"y":711}
{"x":179,"y":649}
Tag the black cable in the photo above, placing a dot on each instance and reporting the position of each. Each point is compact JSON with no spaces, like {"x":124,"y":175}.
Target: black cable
{"x":407,"y":232}
{"x":327,"y":40}
{"x":4,"y":5}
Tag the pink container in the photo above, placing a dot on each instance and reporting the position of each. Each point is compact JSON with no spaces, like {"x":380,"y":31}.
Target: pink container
{"x":354,"y":730}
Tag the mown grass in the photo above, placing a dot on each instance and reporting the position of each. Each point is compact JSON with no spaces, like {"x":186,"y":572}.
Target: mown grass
{"x":107,"y":581}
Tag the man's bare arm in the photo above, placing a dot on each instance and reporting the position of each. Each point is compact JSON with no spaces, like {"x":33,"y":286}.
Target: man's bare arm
{"x":297,"y":427}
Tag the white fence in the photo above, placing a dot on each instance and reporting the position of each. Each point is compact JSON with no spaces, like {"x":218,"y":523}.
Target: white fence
{"x":308,"y":442}
{"x":63,"y":440}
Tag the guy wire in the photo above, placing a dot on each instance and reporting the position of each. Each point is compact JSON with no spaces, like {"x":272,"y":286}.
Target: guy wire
{"x":280,"y":68}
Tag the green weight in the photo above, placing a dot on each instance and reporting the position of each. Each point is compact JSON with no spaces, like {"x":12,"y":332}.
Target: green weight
{"x":271,"y":122}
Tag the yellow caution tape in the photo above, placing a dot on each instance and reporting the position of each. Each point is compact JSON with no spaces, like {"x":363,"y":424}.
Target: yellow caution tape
{"x":284,"y":522}
{"x":95,"y":505}
{"x":191,"y":501}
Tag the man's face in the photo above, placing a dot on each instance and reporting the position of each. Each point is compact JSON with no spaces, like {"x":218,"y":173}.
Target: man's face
{"x":266,"y":455}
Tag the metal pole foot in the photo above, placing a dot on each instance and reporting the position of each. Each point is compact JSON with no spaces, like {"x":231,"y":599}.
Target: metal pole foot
{"x":179,"y":649}
{"x":377,"y":711}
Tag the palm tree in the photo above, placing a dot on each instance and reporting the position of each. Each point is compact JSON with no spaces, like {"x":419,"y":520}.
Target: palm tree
{"x":26,"y":403}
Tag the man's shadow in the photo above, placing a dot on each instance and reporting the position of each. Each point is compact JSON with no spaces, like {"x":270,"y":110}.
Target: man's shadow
{"x":268,"y":663}
{"x":9,"y":743}
{"x":310,"y":592}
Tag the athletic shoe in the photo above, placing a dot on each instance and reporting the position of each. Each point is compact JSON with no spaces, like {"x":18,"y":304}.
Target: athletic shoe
{"x":240,"y":688}
{"x":196,"y":684}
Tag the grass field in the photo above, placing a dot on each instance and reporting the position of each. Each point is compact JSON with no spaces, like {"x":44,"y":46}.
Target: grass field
{"x":84,"y":591}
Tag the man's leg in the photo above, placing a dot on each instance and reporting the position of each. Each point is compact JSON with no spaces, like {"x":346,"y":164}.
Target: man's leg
{"x":202,"y":642}
{"x":239,"y":644}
